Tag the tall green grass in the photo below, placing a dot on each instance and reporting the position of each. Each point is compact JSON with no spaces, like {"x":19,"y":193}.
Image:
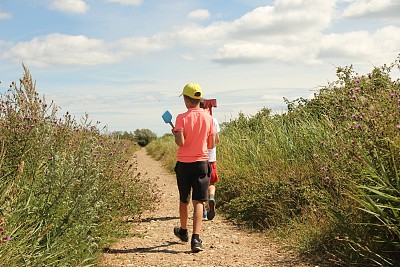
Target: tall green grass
{"x":164,"y":149}
{"x":325,"y":173}
{"x":64,"y":185}
{"x":324,"y":176}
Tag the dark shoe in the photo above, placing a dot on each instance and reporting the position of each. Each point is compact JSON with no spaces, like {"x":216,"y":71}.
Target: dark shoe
{"x":211,"y":209}
{"x":177,"y":232}
{"x":196,"y":245}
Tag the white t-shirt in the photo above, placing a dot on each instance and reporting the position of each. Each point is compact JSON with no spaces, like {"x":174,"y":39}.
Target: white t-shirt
{"x":212,"y":153}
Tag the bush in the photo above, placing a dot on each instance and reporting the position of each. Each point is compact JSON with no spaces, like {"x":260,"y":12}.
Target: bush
{"x":63,"y":185}
{"x":124,"y":135}
{"x":144,"y":136}
{"x":329,"y":168}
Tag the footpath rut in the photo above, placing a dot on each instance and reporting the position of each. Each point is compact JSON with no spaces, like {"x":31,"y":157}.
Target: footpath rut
{"x":152,"y":242}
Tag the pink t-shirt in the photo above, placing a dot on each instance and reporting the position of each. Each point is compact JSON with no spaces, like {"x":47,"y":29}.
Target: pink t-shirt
{"x":196,"y":125}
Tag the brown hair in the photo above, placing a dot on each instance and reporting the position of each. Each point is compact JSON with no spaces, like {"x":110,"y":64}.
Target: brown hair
{"x":192,"y":101}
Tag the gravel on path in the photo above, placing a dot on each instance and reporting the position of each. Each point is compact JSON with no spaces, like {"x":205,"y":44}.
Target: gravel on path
{"x":152,"y":241}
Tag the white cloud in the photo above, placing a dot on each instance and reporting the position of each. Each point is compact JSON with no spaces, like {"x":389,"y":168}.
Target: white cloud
{"x":58,"y":49}
{"x":199,"y":14}
{"x":127,"y":2}
{"x":286,"y":17}
{"x":286,"y":31}
{"x":376,"y":8}
{"x":249,"y":52}
{"x":4,"y":15}
{"x":70,"y":6}
{"x":382,"y":45}
{"x":139,"y":45}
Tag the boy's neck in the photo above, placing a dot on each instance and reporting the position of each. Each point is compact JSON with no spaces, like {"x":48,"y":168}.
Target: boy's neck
{"x":188,"y":106}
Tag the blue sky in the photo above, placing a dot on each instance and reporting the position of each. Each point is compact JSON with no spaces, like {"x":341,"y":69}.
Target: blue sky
{"x":124,"y":62}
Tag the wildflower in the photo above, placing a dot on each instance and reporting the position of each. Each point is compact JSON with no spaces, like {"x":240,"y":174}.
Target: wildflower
{"x":391,"y":95}
{"x":336,"y":155}
{"x":398,"y":126}
{"x":357,"y":80}
{"x":4,"y":239}
{"x":357,"y":89}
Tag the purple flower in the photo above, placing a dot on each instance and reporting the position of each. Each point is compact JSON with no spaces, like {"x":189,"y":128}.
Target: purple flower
{"x":336,"y":155}
{"x":357,"y":80}
{"x":358,"y":89}
{"x":7,"y":238}
{"x":391,"y":95}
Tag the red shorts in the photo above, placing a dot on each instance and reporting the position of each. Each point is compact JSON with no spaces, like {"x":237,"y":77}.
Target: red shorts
{"x":214,"y":174}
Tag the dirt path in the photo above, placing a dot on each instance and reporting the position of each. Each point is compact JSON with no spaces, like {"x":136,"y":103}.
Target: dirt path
{"x":153,"y":243}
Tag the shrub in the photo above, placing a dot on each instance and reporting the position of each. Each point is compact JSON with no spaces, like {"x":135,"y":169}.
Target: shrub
{"x":327,"y":167}
{"x":144,"y":136}
{"x":63,"y":185}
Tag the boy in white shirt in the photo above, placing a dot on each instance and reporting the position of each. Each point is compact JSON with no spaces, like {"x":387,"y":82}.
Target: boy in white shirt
{"x":212,"y":159}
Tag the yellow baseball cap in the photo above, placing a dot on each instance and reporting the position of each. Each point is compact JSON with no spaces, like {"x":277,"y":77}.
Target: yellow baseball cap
{"x":192,"y":90}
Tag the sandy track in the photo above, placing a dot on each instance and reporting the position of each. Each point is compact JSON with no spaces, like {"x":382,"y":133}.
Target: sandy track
{"x":152,"y":242}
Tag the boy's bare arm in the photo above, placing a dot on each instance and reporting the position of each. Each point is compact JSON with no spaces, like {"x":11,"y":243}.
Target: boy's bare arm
{"x":216,"y":138}
{"x":179,"y":138}
{"x":210,"y":142}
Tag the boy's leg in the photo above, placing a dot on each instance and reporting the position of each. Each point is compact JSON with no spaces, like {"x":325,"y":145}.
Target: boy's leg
{"x":197,"y":216}
{"x":211,"y":190}
{"x":196,"y":244}
{"x":183,"y":214}
{"x":184,"y":196}
{"x":201,"y":181}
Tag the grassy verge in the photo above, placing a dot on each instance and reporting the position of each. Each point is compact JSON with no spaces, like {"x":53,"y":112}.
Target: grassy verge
{"x":63,"y":184}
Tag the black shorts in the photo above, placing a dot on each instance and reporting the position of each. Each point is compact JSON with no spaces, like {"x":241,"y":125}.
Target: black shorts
{"x":193,"y":176}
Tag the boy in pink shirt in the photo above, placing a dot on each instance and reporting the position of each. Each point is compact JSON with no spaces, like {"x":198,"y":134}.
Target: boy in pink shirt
{"x":194,"y":134}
